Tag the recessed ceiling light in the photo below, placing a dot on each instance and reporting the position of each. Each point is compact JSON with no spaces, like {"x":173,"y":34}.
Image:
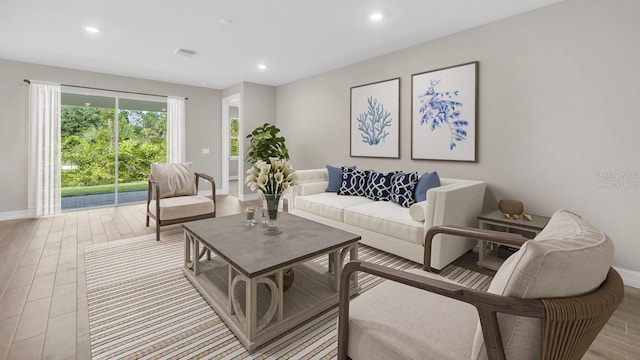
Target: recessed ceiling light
{"x":92,"y":29}
{"x":262,"y":67}
{"x":376,"y":17}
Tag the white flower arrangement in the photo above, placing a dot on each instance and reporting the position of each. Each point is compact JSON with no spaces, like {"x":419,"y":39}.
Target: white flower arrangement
{"x":272,"y":177}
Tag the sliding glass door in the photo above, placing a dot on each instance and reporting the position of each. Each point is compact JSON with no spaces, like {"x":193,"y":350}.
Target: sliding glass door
{"x":142,"y":131}
{"x":108,"y":144}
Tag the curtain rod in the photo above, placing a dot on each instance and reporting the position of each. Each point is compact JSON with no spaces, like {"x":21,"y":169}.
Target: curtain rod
{"x":95,"y":88}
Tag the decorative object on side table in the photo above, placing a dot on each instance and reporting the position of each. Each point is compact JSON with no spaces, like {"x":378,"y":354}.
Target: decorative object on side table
{"x":511,"y":208}
{"x":272,"y":178}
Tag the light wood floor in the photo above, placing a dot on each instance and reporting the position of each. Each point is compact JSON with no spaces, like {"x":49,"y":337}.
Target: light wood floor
{"x":43,"y":305}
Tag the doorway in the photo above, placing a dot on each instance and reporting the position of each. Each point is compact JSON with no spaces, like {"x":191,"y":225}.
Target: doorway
{"x":232,"y":152}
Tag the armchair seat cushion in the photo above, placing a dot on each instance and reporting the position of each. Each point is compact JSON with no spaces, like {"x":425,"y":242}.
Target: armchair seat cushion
{"x":390,"y":321}
{"x":182,"y":206}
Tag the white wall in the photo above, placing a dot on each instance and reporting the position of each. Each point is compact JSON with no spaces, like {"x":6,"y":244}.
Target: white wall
{"x":202,"y":108}
{"x":557,"y":105}
{"x":258,"y":107}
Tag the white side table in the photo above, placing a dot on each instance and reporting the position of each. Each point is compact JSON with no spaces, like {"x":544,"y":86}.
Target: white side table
{"x":495,"y":220}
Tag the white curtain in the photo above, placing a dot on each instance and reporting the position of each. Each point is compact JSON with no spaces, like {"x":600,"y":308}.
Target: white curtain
{"x":44,"y":148}
{"x":175,"y":129}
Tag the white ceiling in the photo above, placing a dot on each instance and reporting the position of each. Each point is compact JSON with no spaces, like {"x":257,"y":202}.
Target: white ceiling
{"x":294,"y":38}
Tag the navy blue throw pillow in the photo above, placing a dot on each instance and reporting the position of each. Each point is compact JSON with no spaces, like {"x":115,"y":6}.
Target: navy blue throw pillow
{"x":427,"y":181}
{"x":335,"y":178}
{"x":354,"y":182}
{"x":402,"y":188}
{"x":379,"y":187}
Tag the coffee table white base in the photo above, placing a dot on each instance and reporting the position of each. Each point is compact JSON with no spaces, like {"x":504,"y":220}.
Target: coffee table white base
{"x":256,"y":309}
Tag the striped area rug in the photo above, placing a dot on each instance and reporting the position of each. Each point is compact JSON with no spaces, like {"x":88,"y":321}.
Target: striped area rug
{"x":142,"y":307}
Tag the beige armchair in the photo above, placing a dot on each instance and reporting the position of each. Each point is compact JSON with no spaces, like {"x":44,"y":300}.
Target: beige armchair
{"x":548,"y":301}
{"x":172,"y":196}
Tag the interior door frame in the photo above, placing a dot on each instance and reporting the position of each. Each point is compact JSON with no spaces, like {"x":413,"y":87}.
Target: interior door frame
{"x":234,"y":100}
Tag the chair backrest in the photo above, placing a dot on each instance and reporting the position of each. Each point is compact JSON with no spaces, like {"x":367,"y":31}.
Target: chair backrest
{"x":570,"y":257}
{"x":174,"y":179}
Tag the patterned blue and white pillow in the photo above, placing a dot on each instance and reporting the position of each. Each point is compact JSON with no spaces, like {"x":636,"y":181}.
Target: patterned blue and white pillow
{"x":379,"y":187}
{"x":354,"y":182}
{"x":402,"y":188}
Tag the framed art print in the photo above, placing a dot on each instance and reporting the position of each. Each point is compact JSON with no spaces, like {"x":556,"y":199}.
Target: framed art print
{"x":444,"y":107}
{"x":375,"y":119}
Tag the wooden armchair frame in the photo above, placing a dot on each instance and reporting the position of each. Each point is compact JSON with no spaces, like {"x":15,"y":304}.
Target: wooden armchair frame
{"x":569,"y":325}
{"x":152,"y":194}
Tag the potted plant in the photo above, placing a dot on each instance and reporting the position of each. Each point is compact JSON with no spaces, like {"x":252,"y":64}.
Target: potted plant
{"x":271,"y":172}
{"x":266,"y":144}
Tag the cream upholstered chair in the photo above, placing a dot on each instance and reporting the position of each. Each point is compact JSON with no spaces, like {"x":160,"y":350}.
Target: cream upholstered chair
{"x":173,"y":198}
{"x":547,"y":301}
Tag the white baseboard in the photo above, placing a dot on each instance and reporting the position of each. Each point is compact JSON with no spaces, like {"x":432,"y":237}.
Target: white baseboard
{"x":629,"y":277}
{"x":12,"y":215}
{"x":248,"y":197}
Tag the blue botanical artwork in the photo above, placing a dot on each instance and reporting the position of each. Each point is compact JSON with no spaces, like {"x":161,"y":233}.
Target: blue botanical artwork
{"x":375,"y":119}
{"x":440,"y":109}
{"x":443,"y":113}
{"x":373,"y":124}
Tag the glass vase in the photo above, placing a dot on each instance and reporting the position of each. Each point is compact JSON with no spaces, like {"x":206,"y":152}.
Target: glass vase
{"x":273,"y":202}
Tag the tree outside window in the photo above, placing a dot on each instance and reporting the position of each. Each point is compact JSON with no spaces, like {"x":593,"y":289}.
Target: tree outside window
{"x":234,"y":130}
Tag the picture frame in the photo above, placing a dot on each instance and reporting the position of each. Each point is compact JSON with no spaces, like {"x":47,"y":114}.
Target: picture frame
{"x":444,"y":113}
{"x":375,"y":119}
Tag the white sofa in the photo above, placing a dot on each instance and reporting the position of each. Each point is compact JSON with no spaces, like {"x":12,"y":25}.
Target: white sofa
{"x":386,"y":225}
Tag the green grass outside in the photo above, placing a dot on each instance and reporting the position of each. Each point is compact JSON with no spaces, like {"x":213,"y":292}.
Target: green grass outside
{"x":103,"y":189}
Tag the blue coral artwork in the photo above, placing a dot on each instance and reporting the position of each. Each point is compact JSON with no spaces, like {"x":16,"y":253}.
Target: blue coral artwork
{"x":373,"y":124}
{"x":375,"y":119}
{"x":443,"y":125}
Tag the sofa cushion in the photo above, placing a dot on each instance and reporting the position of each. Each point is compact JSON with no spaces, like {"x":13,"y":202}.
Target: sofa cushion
{"x":379,"y":186}
{"x":569,"y":257}
{"x":386,"y":218}
{"x":328,"y":205}
{"x":174,"y":179}
{"x":402,"y":188}
{"x":389,"y":321}
{"x":312,"y":188}
{"x":427,"y":181}
{"x":418,"y":210}
{"x":182,"y":206}
{"x":335,"y":177}
{"x":354,"y":182}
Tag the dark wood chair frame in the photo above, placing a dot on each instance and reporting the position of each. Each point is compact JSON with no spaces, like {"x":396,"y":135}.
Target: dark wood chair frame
{"x":569,"y":325}
{"x":154,"y":189}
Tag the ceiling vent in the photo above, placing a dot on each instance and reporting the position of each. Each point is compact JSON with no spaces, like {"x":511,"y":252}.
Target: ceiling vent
{"x":185,"y":52}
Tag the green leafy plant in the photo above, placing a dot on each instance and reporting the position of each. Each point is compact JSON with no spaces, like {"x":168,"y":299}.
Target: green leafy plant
{"x":266,"y":144}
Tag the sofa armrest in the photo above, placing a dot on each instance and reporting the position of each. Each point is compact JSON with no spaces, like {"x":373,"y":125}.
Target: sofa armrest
{"x":310,"y":181}
{"x":456,"y":204}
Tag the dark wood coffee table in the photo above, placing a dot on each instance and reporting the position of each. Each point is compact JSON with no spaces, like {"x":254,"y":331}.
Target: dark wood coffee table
{"x":259,"y":310}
